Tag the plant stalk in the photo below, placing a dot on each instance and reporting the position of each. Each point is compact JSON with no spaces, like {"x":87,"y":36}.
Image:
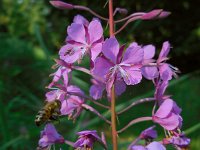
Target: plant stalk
{"x":113,"y":112}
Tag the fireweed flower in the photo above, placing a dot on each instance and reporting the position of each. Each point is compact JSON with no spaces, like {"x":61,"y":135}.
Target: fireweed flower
{"x":86,"y":139}
{"x":113,"y":65}
{"x":163,"y":70}
{"x":63,"y":69}
{"x":97,"y":89}
{"x":82,"y":39}
{"x":180,"y":141}
{"x":151,"y":146}
{"x":160,"y":90}
{"x":50,"y":136}
{"x":72,"y":106}
{"x":63,"y":92}
{"x":149,"y":133}
{"x":168,"y":115}
{"x":78,"y":19}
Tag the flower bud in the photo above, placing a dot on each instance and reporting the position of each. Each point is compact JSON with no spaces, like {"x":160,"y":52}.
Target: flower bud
{"x":155,"y":14}
{"x":61,"y":5}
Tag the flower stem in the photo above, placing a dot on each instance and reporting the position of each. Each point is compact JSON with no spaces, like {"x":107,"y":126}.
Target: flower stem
{"x":141,"y":119}
{"x":113,"y":119}
{"x":111,"y":20}
{"x":136,"y":103}
{"x":113,"y":112}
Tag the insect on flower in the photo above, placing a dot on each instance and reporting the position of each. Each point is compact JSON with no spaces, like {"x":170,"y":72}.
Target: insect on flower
{"x":49,"y":112}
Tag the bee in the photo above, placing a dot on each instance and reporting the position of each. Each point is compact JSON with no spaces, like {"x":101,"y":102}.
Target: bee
{"x":49,"y":112}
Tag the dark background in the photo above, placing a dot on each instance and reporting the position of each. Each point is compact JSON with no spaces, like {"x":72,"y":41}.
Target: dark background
{"x":31,"y":33}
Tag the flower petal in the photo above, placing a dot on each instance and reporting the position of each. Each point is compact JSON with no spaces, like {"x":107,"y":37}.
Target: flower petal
{"x":76,"y":32}
{"x":120,"y":87}
{"x":101,"y":67}
{"x":81,"y":20}
{"x":160,"y":90}
{"x":96,"y":91}
{"x":95,"y":31}
{"x":110,"y":49}
{"x":155,"y":146}
{"x":66,"y":53}
{"x":149,"y":51}
{"x":138,"y":147}
{"x":165,"y":72}
{"x":132,"y":75}
{"x":95,"y":51}
{"x":133,"y":55}
{"x":75,"y":89}
{"x":165,"y":108}
{"x":170,"y":123}
{"x":165,"y":50}
{"x":150,"y":73}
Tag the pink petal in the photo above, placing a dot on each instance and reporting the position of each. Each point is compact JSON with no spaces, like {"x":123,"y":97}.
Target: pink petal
{"x":76,"y":32}
{"x":149,"y":51}
{"x":133,"y":44}
{"x":164,"y":14}
{"x":155,"y":146}
{"x":80,"y":20}
{"x":160,"y":90}
{"x":120,"y":54}
{"x":52,"y":95}
{"x":133,"y":75}
{"x":63,"y":50}
{"x":133,"y":55}
{"x":75,"y":89}
{"x":61,"y":5}
{"x":120,"y":87}
{"x":165,"y":72}
{"x":65,"y":108}
{"x":95,"y":31}
{"x":109,"y":85}
{"x":96,"y":91}
{"x":169,"y":123}
{"x":150,"y":73}
{"x":95,"y":51}
{"x":165,"y":108}
{"x":101,"y":67}
{"x":110,"y":49}
{"x":165,"y":50}
{"x":152,"y":14}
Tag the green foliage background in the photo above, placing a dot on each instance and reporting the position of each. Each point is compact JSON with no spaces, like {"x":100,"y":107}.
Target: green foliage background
{"x":31,"y":33}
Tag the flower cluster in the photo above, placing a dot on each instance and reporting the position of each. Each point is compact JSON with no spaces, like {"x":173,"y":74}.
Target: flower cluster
{"x":111,"y":65}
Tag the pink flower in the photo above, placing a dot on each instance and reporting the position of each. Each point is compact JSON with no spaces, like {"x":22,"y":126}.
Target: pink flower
{"x":160,"y":91}
{"x":149,"y":133}
{"x":63,"y":92}
{"x":82,"y":38}
{"x":61,"y":5}
{"x":155,"y":14}
{"x":87,"y":139}
{"x":63,"y":69}
{"x":97,"y":89}
{"x":72,"y":106}
{"x":151,"y":146}
{"x":113,"y":66}
{"x":168,"y":115}
{"x":180,"y":141}
{"x":163,"y":70}
{"x":50,"y":136}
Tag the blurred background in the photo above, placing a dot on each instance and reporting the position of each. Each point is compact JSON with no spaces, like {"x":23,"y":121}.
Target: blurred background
{"x":31,"y":33}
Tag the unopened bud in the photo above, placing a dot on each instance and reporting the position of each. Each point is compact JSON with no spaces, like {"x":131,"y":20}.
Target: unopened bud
{"x":155,"y":14}
{"x":61,"y":5}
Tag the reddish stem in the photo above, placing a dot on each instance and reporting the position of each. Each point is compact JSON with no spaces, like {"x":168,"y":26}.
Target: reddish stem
{"x":141,"y":119}
{"x":111,"y":20}
{"x":113,"y":112}
{"x":136,"y":103}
